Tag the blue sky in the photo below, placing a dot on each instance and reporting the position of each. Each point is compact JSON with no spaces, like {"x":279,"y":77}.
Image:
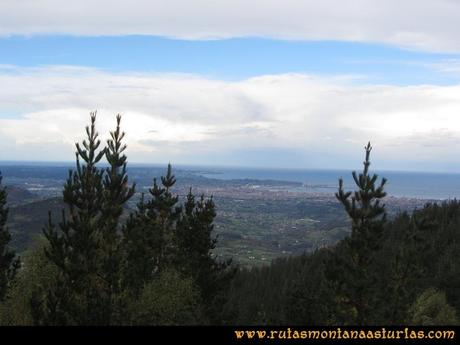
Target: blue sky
{"x":297,"y":84}
{"x":231,"y":59}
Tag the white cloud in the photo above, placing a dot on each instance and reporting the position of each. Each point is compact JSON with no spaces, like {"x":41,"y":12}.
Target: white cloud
{"x":449,"y":66}
{"x":418,"y":24}
{"x":190,"y":119}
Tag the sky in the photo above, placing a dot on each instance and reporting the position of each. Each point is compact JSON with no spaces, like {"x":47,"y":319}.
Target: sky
{"x":294,"y":84}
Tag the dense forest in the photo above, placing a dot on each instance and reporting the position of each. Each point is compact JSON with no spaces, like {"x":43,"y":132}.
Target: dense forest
{"x":156,"y":266}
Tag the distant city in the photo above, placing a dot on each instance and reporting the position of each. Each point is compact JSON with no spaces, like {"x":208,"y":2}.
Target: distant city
{"x":261,"y":213}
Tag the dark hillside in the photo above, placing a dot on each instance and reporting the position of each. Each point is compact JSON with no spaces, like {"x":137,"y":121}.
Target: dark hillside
{"x":418,"y":255}
{"x":18,"y":196}
{"x":26,"y":221}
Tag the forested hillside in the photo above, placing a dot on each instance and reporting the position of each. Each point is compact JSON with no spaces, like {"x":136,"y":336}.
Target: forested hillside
{"x":414,"y":278}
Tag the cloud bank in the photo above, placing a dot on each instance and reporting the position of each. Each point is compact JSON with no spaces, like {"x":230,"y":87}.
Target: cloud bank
{"x":417,"y":24}
{"x":192,"y":119}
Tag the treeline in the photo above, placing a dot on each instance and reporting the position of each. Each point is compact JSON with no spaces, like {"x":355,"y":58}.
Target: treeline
{"x":156,"y":266}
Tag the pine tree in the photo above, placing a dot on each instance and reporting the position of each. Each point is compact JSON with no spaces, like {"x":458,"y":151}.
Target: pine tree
{"x":116,"y":194}
{"x":86,"y":250}
{"x":137,"y":245}
{"x":195,"y":242}
{"x":163,"y":234}
{"x":148,"y":237}
{"x":8,"y":263}
{"x":165,"y":208}
{"x":356,"y":254}
{"x":194,"y":239}
{"x":399,"y":267}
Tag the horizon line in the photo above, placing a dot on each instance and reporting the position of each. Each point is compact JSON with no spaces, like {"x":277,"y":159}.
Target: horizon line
{"x":245,"y":167}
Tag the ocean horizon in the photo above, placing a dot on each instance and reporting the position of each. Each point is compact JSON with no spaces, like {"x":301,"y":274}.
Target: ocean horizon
{"x":409,"y":184}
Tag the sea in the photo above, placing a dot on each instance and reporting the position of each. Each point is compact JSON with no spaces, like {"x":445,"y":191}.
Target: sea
{"x":422,"y":185}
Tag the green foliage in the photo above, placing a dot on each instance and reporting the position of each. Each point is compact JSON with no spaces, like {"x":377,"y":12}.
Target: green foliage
{"x":262,"y":295}
{"x":431,"y":309}
{"x":169,"y":299}
{"x":85,"y":250}
{"x":312,"y":297}
{"x":116,"y":194}
{"x":8,"y":262}
{"x":351,"y":266}
{"x":195,"y":243}
{"x":148,"y":237}
{"x":36,"y":276}
{"x":363,"y":206}
{"x":163,"y":234}
{"x":399,"y":270}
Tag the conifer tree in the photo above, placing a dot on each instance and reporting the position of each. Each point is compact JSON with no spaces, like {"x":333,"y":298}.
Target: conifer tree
{"x":148,"y":237}
{"x":8,"y":263}
{"x":400,"y":269}
{"x":194,"y":238}
{"x":137,"y":246}
{"x":164,"y":234}
{"x":195,"y":242}
{"x":355,"y":255}
{"x":86,"y":249}
{"x":116,"y":194}
{"x":165,"y":207}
